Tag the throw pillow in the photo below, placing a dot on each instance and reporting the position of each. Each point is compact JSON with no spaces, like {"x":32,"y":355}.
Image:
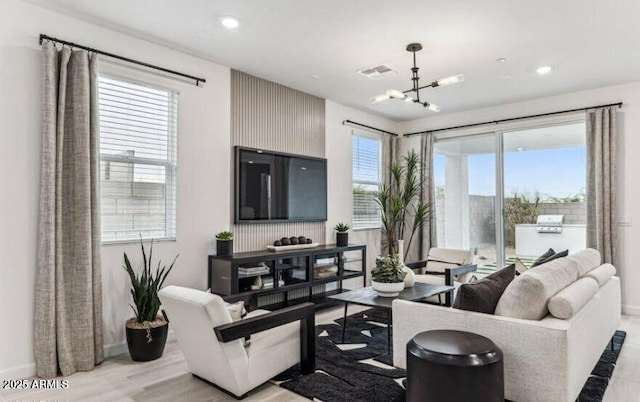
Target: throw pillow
{"x":483,"y":295}
{"x":557,"y":255}
{"x":236,"y":310}
{"x":520,"y":267}
{"x":541,"y":260}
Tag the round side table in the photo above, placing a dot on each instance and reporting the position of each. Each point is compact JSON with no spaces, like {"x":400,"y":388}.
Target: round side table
{"x":447,"y":365}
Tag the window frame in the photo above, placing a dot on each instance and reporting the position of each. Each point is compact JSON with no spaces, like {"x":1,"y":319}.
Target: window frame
{"x":170,"y":164}
{"x":378,"y":184}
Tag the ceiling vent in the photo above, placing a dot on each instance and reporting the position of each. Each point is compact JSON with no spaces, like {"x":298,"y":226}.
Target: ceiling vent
{"x":375,"y":73}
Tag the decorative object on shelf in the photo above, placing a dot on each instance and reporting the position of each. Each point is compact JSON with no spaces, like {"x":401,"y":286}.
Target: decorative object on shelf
{"x":257,"y":284}
{"x":410,"y":276}
{"x":415,"y":90}
{"x":387,"y":278}
{"x":342,"y":234}
{"x":292,"y":247}
{"x":402,"y":212}
{"x":285,"y":241}
{"x":147,"y":331}
{"x":224,"y":244}
{"x":293,"y":240}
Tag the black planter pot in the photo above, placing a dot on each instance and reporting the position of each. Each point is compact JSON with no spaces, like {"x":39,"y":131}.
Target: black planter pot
{"x":147,"y":344}
{"x":342,"y":239}
{"x":224,"y":248}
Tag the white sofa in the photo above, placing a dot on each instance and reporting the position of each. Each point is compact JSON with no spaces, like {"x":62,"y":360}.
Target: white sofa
{"x":547,"y":359}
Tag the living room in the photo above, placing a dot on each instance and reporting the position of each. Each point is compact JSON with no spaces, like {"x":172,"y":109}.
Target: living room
{"x":281,"y":51}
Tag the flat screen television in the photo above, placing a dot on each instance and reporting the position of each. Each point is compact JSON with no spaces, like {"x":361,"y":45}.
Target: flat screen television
{"x":277,"y":187}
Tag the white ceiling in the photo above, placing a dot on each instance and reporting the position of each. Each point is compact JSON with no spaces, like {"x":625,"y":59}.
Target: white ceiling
{"x":590,"y":43}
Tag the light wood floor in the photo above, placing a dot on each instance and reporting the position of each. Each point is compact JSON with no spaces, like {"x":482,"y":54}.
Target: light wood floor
{"x":168,"y":378}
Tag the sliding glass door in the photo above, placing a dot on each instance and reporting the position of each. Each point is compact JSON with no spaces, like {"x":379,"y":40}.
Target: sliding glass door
{"x":544,"y":174}
{"x":490,"y":189}
{"x":465,"y":184}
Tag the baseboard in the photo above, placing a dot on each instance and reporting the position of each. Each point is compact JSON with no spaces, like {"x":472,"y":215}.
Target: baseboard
{"x":630,"y":310}
{"x":29,"y":369}
{"x":19,"y":372}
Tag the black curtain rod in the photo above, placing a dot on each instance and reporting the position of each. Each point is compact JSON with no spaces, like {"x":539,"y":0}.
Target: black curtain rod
{"x":369,"y":127}
{"x":619,"y":104}
{"x":198,"y":80}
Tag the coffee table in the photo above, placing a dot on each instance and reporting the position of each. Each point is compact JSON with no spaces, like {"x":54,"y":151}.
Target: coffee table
{"x":368,"y":297}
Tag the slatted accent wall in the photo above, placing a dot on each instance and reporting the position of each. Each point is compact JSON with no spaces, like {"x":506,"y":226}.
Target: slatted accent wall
{"x":271,"y":116}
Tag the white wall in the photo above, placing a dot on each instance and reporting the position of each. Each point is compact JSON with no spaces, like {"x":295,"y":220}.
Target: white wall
{"x":203,"y":158}
{"x":338,"y":143}
{"x":628,"y":162}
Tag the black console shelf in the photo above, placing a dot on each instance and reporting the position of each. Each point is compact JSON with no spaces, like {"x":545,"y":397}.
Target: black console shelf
{"x":287,"y":277}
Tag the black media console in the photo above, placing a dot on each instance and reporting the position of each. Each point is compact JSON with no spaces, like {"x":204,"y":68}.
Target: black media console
{"x":272,"y":280}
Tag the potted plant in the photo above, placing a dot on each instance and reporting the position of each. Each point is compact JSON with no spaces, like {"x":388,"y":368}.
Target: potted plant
{"x":342,"y":234}
{"x":224,"y":244}
{"x":147,"y":331}
{"x":387,"y":278}
{"x":402,"y":212}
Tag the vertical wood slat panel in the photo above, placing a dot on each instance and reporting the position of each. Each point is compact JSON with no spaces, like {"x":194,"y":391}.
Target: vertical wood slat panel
{"x":270,"y":116}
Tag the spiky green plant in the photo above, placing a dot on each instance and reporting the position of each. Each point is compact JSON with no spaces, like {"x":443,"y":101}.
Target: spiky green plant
{"x":388,"y":270}
{"x":342,"y":227}
{"x":145,"y":287}
{"x":226,"y":235}
{"x":402,"y":212}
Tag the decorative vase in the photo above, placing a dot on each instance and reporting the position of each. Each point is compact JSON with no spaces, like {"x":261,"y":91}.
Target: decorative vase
{"x":387,"y":289}
{"x":410,"y":276}
{"x":342,"y":239}
{"x":146,"y":344}
{"x":224,"y":248}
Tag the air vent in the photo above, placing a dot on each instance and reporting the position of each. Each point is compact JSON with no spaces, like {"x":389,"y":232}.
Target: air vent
{"x":375,"y":73}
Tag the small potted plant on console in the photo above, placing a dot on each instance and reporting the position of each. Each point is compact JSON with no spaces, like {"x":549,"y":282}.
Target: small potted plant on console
{"x":342,"y":234}
{"x":387,"y":278}
{"x":147,"y":331}
{"x":224,"y":244}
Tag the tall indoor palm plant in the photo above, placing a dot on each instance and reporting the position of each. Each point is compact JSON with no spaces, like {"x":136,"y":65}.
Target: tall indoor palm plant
{"x":401,"y":208}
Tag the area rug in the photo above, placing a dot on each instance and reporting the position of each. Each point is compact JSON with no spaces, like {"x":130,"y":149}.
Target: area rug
{"x":360,"y":369}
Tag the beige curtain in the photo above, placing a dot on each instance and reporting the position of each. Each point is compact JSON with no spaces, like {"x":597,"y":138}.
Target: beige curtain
{"x":601,"y":182}
{"x":428,"y":232}
{"x":68,"y":304}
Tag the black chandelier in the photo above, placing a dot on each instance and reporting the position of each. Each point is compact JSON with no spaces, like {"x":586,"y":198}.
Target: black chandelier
{"x":405,"y":95}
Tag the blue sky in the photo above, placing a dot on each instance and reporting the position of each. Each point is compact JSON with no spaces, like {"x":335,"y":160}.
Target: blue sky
{"x":556,"y":172}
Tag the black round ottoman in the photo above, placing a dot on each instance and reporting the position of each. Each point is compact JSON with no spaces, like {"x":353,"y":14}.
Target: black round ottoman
{"x":447,"y":365}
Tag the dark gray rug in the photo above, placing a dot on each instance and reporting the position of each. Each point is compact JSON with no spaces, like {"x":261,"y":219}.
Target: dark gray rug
{"x":342,"y":376}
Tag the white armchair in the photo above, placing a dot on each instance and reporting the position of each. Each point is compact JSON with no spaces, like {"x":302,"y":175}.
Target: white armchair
{"x":213,"y":344}
{"x":444,"y":266}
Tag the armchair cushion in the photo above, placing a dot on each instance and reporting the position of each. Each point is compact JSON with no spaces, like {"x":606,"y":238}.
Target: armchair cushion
{"x":483,"y":295}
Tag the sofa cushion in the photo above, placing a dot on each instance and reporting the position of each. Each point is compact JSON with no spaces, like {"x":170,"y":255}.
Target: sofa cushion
{"x":527,"y":295}
{"x":540,"y":260}
{"x":586,"y":259}
{"x":601,"y":274}
{"x":571,"y":299}
{"x":483,"y":295}
{"x":520,"y":267}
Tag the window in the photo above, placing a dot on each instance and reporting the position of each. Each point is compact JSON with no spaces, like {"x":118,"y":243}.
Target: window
{"x":138,"y":135}
{"x":491,"y":187}
{"x":366,"y":181}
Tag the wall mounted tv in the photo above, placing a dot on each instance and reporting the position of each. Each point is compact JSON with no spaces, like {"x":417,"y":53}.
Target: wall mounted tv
{"x":277,"y":187}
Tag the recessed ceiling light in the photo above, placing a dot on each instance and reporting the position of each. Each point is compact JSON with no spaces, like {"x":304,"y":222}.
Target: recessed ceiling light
{"x":543,"y":70}
{"x":314,"y":76}
{"x":501,"y":60}
{"x":229,"y":22}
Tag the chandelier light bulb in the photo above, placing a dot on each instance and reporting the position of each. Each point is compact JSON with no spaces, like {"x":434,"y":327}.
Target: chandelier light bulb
{"x":394,"y":93}
{"x":380,"y":98}
{"x":454,"y":79}
{"x":432,"y":107}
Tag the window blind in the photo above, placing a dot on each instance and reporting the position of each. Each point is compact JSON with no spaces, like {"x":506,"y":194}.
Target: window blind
{"x":366,"y":181}
{"x":138,"y":138}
